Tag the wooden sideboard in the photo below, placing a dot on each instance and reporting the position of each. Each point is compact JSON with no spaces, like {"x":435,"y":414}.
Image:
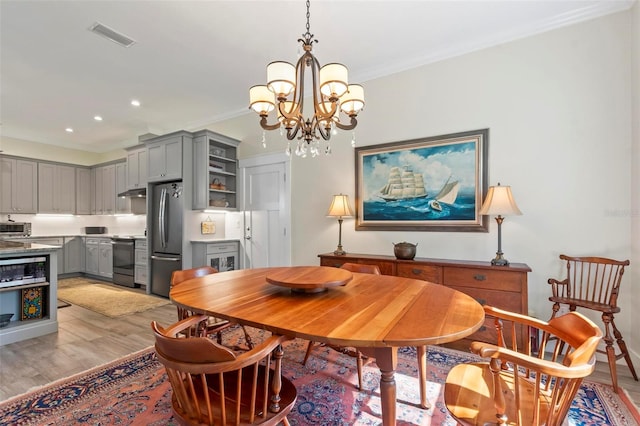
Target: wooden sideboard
{"x":504,"y":287}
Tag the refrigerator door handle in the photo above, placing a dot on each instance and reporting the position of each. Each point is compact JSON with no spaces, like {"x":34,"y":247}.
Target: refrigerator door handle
{"x":166,"y":259}
{"x":161,"y":217}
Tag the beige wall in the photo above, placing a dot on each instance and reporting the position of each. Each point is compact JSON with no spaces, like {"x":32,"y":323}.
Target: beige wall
{"x":39,"y":151}
{"x":558,"y":106}
{"x":634,"y":279}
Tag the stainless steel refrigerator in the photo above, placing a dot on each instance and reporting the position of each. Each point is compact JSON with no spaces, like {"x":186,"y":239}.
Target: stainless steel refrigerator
{"x":166,"y":234}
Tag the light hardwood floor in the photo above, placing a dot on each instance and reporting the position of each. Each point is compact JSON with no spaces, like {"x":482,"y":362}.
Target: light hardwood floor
{"x":86,"y":339}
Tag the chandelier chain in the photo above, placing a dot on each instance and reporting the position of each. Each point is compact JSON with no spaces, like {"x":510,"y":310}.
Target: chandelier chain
{"x":308,"y":16}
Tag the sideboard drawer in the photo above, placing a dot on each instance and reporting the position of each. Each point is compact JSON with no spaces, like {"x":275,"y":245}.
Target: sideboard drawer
{"x":499,"y":299}
{"x":483,"y":278}
{"x":421,"y":272}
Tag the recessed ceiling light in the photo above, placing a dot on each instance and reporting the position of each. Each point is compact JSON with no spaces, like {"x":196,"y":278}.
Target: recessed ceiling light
{"x":135,"y":102}
{"x":97,"y":118}
{"x":69,"y":130}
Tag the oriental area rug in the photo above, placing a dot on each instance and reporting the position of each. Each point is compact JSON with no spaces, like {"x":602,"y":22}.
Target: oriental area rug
{"x":134,"y":391}
{"x":104,"y":298}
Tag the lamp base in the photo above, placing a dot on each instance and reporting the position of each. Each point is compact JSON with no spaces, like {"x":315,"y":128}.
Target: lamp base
{"x":499,"y":260}
{"x":339,"y":251}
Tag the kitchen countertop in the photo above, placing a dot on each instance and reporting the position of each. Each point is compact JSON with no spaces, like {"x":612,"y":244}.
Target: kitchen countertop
{"x":14,"y":247}
{"x":132,"y":236}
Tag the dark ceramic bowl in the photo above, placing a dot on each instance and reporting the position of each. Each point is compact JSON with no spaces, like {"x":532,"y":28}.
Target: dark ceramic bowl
{"x":404,"y":250}
{"x":4,"y":319}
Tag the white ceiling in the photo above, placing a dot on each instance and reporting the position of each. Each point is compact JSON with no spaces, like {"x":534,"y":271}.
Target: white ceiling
{"x":194,"y":61}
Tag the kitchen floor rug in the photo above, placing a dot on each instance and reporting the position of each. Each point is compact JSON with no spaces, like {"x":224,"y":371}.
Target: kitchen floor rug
{"x":104,"y":298}
{"x":134,"y":391}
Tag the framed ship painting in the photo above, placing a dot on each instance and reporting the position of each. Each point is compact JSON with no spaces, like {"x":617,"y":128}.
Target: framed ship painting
{"x":431,"y":184}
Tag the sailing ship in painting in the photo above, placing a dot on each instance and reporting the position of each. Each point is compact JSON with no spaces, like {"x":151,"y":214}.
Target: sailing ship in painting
{"x":403,"y":184}
{"x":447,"y":195}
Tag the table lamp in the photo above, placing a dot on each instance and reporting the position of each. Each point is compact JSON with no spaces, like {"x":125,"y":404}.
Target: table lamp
{"x":340,"y":208}
{"x":499,"y":201}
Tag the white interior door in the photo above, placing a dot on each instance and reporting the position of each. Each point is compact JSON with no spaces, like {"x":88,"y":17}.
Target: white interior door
{"x":266,"y":212}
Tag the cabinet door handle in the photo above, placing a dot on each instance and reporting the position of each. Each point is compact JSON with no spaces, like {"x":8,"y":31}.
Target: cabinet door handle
{"x":482,"y":301}
{"x":416,"y":271}
{"x":479,"y":277}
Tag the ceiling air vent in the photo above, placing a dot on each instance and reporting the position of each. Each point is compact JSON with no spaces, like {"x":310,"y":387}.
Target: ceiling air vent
{"x":112,"y":35}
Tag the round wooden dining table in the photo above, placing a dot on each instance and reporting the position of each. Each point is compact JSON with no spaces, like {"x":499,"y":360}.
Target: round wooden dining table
{"x":375,"y":313}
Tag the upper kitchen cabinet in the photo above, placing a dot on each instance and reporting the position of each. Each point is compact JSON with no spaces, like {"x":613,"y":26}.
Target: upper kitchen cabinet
{"x":83,"y":190}
{"x":56,"y":188}
{"x":137,"y":167}
{"x":214,"y":171}
{"x":18,"y":186}
{"x":164,"y":156}
{"x":103,"y":181}
{"x":123,"y":204}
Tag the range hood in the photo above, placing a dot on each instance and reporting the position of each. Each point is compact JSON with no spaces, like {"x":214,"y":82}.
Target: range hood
{"x":142,"y":192}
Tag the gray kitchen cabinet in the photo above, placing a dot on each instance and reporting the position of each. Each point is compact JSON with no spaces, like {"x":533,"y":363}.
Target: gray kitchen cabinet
{"x":74,"y":255}
{"x":123,"y":204}
{"x":99,"y":257}
{"x":56,"y":188}
{"x":214,"y":171}
{"x":137,"y":168}
{"x":92,"y":255}
{"x":96,"y":186}
{"x":164,"y":157}
{"x":109,"y":189}
{"x":222,"y":255}
{"x":105,"y":261}
{"x":105,"y":193}
{"x":83,"y":190}
{"x":141,"y":256}
{"x":18,"y":186}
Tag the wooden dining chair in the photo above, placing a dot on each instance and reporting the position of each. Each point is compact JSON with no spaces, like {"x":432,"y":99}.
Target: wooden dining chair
{"x":352,"y":352}
{"x":517,"y":386}
{"x":212,"y":326}
{"x":594,"y":283}
{"x":213,"y":386}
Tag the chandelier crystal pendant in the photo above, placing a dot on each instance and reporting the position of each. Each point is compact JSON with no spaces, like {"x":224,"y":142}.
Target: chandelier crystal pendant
{"x":285,"y":93}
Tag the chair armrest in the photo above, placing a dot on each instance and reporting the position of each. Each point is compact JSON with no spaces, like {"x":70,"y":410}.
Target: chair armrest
{"x":188,"y":322}
{"x":487,"y":350}
{"x":259,"y":351}
{"x":515,"y":317}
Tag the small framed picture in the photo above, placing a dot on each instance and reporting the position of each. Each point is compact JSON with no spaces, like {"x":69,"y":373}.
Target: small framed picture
{"x":32,"y":301}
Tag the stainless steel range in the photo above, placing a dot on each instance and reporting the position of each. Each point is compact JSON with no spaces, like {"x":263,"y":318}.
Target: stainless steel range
{"x":124,"y":261}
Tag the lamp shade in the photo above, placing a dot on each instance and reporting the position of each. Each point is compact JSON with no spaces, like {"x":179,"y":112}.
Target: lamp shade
{"x":281,"y":78}
{"x":333,"y":80}
{"x":340,"y":206}
{"x":261,"y":99}
{"x":352,"y":101}
{"x":499,"y":202}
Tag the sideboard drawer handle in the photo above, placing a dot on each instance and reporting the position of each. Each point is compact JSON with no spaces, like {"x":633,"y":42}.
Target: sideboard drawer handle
{"x":480,"y":277}
{"x":482,"y":301}
{"x":483,"y":328}
{"x":416,"y":271}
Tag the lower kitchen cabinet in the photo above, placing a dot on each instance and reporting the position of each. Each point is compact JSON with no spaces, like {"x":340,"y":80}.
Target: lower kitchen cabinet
{"x":99,"y":257}
{"x":74,"y":255}
{"x":222,"y":255}
{"x":141,"y":255}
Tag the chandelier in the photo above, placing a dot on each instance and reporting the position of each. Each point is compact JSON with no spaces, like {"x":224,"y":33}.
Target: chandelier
{"x":331,"y":94}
